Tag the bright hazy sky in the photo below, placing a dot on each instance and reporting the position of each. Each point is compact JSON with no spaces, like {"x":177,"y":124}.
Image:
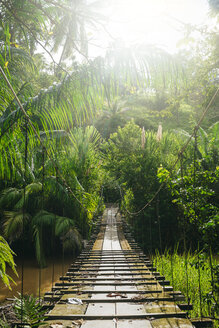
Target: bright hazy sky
{"x":153,"y":21}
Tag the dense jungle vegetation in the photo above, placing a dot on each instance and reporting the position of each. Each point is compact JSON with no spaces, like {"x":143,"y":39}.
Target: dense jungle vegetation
{"x":135,"y":126}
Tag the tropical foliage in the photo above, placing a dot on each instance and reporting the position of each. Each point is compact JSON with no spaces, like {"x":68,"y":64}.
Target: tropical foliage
{"x":6,"y":258}
{"x":77,"y":131}
{"x":29,"y":310}
{"x":185,"y":271}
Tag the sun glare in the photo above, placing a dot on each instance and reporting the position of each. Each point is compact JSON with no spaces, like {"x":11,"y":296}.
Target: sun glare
{"x":159,"y":22}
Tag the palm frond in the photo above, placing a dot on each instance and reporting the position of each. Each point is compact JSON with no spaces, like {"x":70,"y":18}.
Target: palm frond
{"x":71,"y":239}
{"x":39,"y":248}
{"x":43,"y":218}
{"x":214,"y":131}
{"x":10,"y":197}
{"x":63,"y":225}
{"x":6,"y":257}
{"x":31,"y":189}
{"x":13,"y":224}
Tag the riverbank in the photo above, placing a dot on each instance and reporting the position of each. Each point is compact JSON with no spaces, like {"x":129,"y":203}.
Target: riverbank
{"x":31,"y":278}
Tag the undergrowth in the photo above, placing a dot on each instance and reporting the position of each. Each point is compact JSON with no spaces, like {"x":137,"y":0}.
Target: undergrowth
{"x":196,"y":275}
{"x":29,"y":310}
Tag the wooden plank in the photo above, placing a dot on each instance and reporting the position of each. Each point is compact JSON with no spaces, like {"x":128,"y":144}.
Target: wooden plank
{"x":98,"y":324}
{"x":65,"y":324}
{"x":116,"y":269}
{"x":106,"y":268}
{"x":130,"y":308}
{"x":202,"y":322}
{"x":101,"y":309}
{"x":110,"y":283}
{"x":171,"y":323}
{"x":66,"y":310}
{"x":148,"y":278}
{"x":126,"y":265}
{"x":78,"y":273}
{"x":109,"y":299}
{"x":141,"y":323}
{"x":69,"y":291}
{"x":122,"y":316}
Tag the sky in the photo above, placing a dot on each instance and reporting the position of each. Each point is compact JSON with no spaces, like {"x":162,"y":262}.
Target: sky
{"x":157,"y":22}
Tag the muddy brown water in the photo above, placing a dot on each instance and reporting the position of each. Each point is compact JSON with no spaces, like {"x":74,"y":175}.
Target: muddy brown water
{"x":31,"y":278}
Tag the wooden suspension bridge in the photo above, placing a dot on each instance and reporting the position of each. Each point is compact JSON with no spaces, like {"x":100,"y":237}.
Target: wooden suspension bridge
{"x":112,"y":284}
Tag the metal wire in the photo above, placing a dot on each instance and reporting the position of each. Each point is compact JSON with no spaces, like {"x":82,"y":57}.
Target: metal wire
{"x":42,"y":143}
{"x":62,"y":178}
{"x":24,"y":211}
{"x":53,"y":244}
{"x":180,"y":153}
{"x":159,"y":232}
{"x":194,"y":177}
{"x":42,"y":207}
{"x":184,"y":235}
{"x":199,"y":283}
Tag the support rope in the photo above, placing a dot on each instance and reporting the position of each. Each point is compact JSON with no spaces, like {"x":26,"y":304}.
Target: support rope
{"x":180,"y":153}
{"x":42,"y":207}
{"x":184,"y":235}
{"x":24,"y":212}
{"x":42,"y":144}
{"x":53,"y":244}
{"x":64,"y":181}
{"x":199,"y":283}
{"x":194,"y":177}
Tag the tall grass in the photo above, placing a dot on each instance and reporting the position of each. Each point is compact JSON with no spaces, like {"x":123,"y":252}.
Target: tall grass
{"x":192,"y":274}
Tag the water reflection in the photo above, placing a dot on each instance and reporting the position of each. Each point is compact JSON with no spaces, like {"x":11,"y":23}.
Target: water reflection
{"x":31,"y":278}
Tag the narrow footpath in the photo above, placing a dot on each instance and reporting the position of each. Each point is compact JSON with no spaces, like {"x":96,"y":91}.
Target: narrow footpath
{"x":112,"y":284}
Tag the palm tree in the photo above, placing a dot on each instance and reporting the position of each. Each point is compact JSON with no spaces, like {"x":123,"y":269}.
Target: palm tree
{"x":214,"y":4}
{"x":25,"y":22}
{"x":207,"y":145}
{"x":112,"y":115}
{"x":70,"y":33}
{"x":59,"y":114}
{"x":34,"y":222}
{"x":35,"y":213}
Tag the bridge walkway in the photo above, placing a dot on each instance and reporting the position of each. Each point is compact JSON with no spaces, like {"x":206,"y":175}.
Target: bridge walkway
{"x":114,"y":285}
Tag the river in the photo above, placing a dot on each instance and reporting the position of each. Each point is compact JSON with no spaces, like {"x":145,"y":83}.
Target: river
{"x":31,"y":278}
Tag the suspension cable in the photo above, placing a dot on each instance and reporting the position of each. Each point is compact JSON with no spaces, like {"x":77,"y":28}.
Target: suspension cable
{"x":23,"y":220}
{"x":180,"y":153}
{"x":42,"y":144}
{"x":196,"y":128}
{"x":53,"y":244}
{"x":184,"y":235}
{"x":199,"y":283}
{"x":194,"y":177}
{"x":42,"y":207}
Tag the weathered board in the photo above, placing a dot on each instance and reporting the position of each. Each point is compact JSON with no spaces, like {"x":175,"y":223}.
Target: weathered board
{"x":116,"y":284}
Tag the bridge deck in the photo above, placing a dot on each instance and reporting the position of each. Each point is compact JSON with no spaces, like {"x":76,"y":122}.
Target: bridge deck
{"x":116,"y":285}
